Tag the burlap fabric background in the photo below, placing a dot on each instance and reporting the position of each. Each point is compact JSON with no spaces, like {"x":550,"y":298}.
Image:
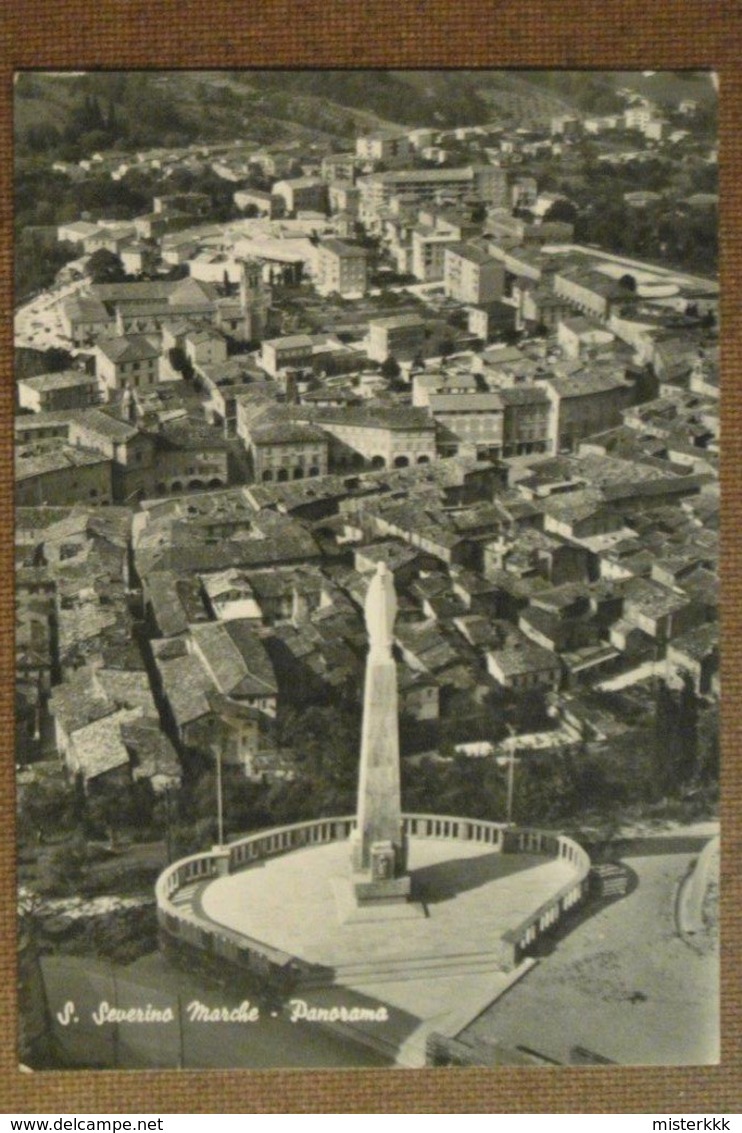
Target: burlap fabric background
{"x":631,"y":34}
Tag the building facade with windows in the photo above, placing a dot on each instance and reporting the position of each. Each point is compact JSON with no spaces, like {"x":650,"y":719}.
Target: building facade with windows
{"x":341,"y":268}
{"x":428,"y":253}
{"x":472,"y":275}
{"x":400,"y":336}
{"x":127,"y":360}
{"x":527,"y":413}
{"x":389,"y":147}
{"x":586,"y":403}
{"x":45,"y":393}
{"x":471,"y":423}
{"x":383,"y":438}
{"x":288,"y":451}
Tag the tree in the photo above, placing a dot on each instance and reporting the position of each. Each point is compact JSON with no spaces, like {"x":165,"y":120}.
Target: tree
{"x":42,"y":137}
{"x":38,"y":256}
{"x":390,"y":368}
{"x":325,"y":741}
{"x":686,"y":761}
{"x":56,"y":359}
{"x":461,"y":785}
{"x":664,"y":737}
{"x":527,"y":711}
{"x":244,"y":805}
{"x":708,"y":745}
{"x":544,"y":789}
{"x":646,"y":384}
{"x":95,"y":140}
{"x":112,"y":810}
{"x":62,"y":870}
{"x":46,"y":804}
{"x":105,"y":267}
{"x":676,"y":735}
{"x":561,"y":210}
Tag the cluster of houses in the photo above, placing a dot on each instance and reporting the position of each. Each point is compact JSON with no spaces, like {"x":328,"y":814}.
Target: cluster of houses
{"x":524,"y":430}
{"x":549,"y":577}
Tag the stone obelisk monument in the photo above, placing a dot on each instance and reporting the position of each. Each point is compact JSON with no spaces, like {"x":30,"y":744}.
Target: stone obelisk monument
{"x":379,"y":853}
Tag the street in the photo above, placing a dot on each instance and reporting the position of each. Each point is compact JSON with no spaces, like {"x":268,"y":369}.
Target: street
{"x":38,"y":323}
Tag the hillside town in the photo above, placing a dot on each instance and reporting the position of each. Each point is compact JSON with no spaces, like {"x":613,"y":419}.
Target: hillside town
{"x":399,"y":352}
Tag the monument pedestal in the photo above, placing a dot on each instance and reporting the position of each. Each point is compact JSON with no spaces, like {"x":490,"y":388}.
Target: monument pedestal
{"x":379,"y":869}
{"x":379,"y":891}
{"x":386,"y":892}
{"x":389,"y":905}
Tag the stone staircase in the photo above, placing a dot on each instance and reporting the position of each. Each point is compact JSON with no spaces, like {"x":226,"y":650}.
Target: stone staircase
{"x":185,"y":897}
{"x":420,"y":968}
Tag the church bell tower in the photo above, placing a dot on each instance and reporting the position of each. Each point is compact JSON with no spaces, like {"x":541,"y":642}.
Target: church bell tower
{"x":255,"y":301}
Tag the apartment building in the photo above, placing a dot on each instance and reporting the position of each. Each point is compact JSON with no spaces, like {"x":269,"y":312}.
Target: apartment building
{"x":472,"y":275}
{"x":389,"y":147}
{"x":401,"y":336}
{"x":341,"y":268}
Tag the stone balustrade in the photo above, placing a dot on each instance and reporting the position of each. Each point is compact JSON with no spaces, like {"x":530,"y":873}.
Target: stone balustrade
{"x":521,"y":939}
{"x":463,"y":829}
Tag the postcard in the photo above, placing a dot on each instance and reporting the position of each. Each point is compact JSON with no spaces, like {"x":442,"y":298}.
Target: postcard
{"x":366,"y":588}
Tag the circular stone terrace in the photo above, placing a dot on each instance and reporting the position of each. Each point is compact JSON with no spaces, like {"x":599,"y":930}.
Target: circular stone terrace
{"x":469,"y":895}
{"x":279,"y":902}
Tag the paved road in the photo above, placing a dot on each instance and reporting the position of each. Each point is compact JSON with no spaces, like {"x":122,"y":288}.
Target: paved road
{"x":674,"y":275}
{"x":693,"y":893}
{"x":621,"y":983}
{"x":38,"y":323}
{"x":641,"y":673}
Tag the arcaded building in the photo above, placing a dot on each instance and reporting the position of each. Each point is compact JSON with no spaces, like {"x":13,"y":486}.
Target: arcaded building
{"x":280,"y":448}
{"x":384,"y":438}
{"x":288,"y":450}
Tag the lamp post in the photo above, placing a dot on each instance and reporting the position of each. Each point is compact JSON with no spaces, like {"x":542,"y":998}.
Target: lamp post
{"x":511,"y":774}
{"x":168,"y":831}
{"x":219,"y":797}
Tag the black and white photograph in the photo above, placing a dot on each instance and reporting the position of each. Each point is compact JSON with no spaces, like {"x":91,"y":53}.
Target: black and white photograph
{"x":367,"y":503}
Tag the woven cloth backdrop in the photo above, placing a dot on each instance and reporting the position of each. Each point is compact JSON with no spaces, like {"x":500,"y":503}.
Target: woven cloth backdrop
{"x":631,"y":35}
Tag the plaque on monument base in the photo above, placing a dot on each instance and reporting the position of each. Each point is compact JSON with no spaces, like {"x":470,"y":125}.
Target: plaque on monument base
{"x":379,"y":889}
{"x":381,"y":861}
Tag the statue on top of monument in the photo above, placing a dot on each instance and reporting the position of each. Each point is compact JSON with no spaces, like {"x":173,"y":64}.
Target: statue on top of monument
{"x":381,"y":611}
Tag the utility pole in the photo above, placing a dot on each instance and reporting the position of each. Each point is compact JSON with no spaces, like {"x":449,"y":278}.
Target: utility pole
{"x":181,"y":1036}
{"x":167,"y":825}
{"x":511,"y":775}
{"x":219,"y":798}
